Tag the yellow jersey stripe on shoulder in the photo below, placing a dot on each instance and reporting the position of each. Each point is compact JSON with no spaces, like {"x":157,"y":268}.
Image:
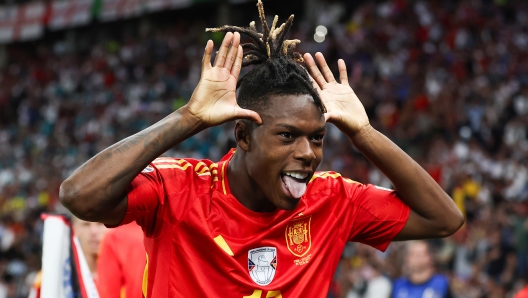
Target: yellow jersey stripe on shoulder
{"x":199,"y":166}
{"x":223,"y":245}
{"x":173,"y":166}
{"x":326,"y":175}
{"x":167,"y":160}
{"x":205,"y":170}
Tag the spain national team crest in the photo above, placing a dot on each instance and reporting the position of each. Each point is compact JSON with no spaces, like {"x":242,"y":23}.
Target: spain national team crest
{"x":298,"y":238}
{"x":262,"y":264}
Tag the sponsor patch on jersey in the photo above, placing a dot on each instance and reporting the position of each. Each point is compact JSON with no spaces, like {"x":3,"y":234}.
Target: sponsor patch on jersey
{"x":262,"y":264}
{"x":298,"y":236}
{"x":148,"y":169}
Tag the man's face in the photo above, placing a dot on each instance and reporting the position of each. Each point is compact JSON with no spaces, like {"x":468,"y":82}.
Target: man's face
{"x":90,"y":235}
{"x":286,"y":149}
{"x":418,"y":256}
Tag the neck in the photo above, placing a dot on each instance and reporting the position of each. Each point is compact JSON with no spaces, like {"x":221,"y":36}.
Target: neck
{"x":243,"y":188}
{"x":91,"y":259}
{"x":419,"y":277}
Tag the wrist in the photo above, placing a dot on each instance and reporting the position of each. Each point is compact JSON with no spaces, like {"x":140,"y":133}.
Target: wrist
{"x":360,"y":130}
{"x":185,"y":118}
{"x":362,"y":134}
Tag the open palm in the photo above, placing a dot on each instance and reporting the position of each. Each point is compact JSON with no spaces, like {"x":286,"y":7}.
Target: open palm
{"x":343,"y":106}
{"x":214,"y":99}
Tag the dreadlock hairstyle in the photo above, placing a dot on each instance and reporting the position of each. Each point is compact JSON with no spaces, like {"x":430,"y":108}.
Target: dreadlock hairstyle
{"x":278,"y":70}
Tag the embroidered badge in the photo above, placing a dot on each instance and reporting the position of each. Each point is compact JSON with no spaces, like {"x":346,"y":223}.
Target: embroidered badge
{"x":298,"y":237}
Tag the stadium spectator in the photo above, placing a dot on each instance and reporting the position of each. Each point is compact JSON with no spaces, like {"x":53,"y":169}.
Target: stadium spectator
{"x":420,"y":280}
{"x":90,"y":235}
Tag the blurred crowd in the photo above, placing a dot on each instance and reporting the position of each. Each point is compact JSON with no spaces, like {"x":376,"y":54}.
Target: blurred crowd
{"x":446,"y":80}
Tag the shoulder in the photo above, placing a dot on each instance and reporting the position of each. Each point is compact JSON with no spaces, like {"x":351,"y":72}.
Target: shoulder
{"x":331,"y":180}
{"x":182,"y":168}
{"x":400,"y":282}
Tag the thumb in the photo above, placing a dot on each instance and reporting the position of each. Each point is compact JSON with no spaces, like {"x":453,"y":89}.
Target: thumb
{"x":240,"y":113}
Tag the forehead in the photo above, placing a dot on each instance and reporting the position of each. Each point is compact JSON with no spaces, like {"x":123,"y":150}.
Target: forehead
{"x":297,"y":110}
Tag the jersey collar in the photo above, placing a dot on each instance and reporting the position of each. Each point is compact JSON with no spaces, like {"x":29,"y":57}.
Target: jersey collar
{"x":223,"y":185}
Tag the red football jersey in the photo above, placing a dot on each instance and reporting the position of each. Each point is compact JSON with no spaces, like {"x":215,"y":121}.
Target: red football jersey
{"x":121,"y":263}
{"x":201,"y":242}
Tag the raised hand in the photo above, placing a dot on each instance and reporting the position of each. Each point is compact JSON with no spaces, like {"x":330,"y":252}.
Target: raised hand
{"x":343,"y":106}
{"x":213,"y":102}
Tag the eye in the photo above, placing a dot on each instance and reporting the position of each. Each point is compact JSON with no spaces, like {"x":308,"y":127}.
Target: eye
{"x":318,"y":138}
{"x":286,"y":135}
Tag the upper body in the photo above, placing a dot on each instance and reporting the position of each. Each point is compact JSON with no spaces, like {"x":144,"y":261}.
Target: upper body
{"x":279,"y":147}
{"x":436,"y":287}
{"x":191,"y":220}
{"x":89,"y":235}
{"x":421,"y":280}
{"x":121,"y":263}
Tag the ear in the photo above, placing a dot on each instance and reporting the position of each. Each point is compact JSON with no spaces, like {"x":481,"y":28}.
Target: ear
{"x":243,"y":134}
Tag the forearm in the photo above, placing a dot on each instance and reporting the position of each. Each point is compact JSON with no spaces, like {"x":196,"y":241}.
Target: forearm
{"x":414,"y":185}
{"x":99,"y":185}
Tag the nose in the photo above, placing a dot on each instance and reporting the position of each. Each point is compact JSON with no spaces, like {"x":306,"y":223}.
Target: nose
{"x":304,"y":151}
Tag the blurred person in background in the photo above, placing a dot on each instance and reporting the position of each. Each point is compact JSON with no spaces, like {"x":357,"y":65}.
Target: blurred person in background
{"x":421,"y":281}
{"x":366,"y":276}
{"x":121,"y":263}
{"x":90,"y":235}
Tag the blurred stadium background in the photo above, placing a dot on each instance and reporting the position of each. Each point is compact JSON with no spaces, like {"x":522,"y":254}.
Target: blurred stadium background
{"x":446,"y":80}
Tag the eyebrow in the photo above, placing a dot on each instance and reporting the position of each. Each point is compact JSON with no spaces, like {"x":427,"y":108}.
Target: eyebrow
{"x":295,"y":128}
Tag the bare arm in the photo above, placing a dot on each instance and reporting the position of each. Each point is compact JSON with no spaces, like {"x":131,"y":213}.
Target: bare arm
{"x":97,"y":190}
{"x":433,"y":212}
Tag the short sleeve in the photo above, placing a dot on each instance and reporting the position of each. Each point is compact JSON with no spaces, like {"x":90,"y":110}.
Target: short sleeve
{"x":377,"y":215}
{"x":145,"y":195}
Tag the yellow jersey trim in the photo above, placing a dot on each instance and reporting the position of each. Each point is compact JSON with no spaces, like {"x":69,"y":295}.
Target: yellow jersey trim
{"x":223,"y":245}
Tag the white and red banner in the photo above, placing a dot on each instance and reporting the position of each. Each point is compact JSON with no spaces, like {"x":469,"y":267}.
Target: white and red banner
{"x":22,"y":22}
{"x":120,"y":9}
{"x":68,"y":14}
{"x":65,"y":272}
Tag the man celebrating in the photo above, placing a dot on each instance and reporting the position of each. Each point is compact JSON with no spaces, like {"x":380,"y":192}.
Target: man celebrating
{"x":208,"y":225}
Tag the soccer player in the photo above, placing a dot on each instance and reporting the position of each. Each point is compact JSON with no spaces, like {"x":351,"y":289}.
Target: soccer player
{"x":121,"y":263}
{"x":260,"y":222}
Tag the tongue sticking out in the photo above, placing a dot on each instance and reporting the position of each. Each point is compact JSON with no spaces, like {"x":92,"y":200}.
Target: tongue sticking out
{"x":296,"y":188}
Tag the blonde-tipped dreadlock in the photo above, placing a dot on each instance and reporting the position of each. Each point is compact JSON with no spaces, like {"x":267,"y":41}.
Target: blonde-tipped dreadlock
{"x":278,"y":70}
{"x":271,"y":41}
